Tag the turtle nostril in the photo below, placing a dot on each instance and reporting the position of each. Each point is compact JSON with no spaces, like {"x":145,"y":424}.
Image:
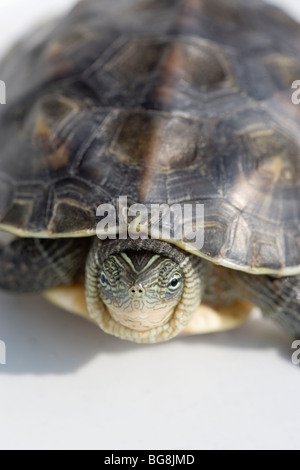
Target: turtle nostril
{"x":137,"y":290}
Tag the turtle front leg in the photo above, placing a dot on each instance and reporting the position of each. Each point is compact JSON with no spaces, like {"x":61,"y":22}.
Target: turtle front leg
{"x":34,"y":265}
{"x":278,"y":298}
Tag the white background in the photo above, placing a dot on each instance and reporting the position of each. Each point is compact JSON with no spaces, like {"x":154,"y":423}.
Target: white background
{"x":68,"y":385}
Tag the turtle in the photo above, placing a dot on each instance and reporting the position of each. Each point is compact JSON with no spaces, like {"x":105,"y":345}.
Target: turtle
{"x":162,"y":103}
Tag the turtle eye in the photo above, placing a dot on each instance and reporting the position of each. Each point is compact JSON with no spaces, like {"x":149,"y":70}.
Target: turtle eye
{"x":103,"y":279}
{"x":175,"y":282}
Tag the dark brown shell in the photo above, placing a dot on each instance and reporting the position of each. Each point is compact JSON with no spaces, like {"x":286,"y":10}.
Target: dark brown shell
{"x":163,"y":101}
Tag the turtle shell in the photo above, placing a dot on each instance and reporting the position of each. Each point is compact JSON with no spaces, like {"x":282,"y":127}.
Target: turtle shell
{"x":162,"y":101}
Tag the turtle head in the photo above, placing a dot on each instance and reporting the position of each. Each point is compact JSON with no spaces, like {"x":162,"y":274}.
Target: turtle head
{"x":145,"y":292}
{"x":140,"y":290}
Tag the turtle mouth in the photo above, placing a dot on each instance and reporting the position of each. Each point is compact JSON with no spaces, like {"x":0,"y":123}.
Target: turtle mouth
{"x":139,"y":318}
{"x":136,"y":329}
